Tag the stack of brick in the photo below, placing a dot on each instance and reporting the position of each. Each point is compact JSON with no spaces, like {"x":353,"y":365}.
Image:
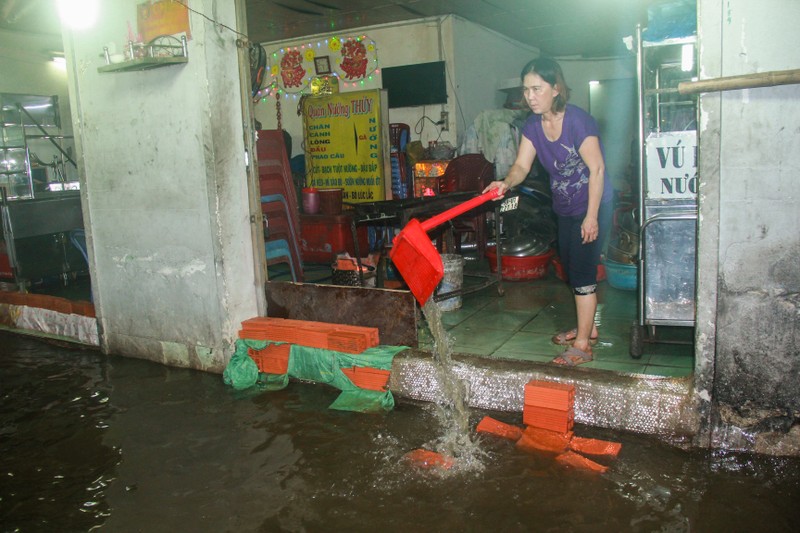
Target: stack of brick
{"x":549,"y":405}
{"x":337,"y":337}
{"x":274,"y":359}
{"x":549,"y":416}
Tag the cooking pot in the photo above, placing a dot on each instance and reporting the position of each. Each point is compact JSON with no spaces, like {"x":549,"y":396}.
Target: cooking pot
{"x":524,"y":246}
{"x":620,"y":256}
{"x":628,"y":241}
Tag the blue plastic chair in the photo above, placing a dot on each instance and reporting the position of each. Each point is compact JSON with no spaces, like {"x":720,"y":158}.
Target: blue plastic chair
{"x":78,"y":239}
{"x":277,"y":249}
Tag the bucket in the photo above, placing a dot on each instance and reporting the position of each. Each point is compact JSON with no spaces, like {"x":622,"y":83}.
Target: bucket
{"x":451,"y":281}
{"x":310,"y":201}
{"x":330,"y":201}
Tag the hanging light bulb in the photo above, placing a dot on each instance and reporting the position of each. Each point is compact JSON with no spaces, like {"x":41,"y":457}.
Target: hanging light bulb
{"x":78,"y":14}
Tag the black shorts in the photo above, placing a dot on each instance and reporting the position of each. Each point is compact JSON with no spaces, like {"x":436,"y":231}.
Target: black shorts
{"x":580,"y":260}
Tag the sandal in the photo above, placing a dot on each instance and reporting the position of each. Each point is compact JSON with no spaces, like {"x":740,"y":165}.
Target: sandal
{"x":566,"y":338}
{"x":573,"y":357}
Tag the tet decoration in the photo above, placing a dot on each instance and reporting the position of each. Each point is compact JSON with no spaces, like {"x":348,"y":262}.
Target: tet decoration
{"x":292,"y":70}
{"x":352,"y":61}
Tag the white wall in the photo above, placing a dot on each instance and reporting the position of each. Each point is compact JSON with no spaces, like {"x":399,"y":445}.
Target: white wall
{"x":476,"y":59}
{"x":483,"y":59}
{"x":397,"y":44}
{"x":612,"y":104}
{"x":579,"y":72}
{"x":165,"y":192}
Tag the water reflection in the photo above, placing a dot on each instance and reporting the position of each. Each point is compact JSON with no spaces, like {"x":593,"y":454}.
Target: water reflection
{"x":126,"y":445}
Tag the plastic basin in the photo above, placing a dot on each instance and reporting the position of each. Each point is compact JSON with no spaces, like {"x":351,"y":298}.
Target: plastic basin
{"x":520,"y":268}
{"x":621,"y":276}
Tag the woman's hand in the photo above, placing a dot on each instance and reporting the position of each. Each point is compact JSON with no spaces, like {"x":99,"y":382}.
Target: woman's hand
{"x":500,"y":185}
{"x":589,"y":229}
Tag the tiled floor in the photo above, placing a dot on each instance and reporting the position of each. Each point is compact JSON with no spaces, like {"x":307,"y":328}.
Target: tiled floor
{"x":519,"y":325}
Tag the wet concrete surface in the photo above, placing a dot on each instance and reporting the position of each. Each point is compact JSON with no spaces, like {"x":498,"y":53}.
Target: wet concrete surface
{"x":96,"y":442}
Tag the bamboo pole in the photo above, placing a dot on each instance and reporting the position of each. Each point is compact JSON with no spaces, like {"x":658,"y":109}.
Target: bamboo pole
{"x":747,"y":81}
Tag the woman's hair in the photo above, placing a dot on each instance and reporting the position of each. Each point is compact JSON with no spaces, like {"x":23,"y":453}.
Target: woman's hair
{"x":549,"y":71}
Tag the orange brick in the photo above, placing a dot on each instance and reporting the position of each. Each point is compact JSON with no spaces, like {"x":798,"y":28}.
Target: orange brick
{"x":578,"y":461}
{"x":347,"y":341}
{"x":552,"y":419}
{"x":310,"y":333}
{"x":83,"y":308}
{"x":427,"y":459}
{"x":595,"y":447}
{"x":13,"y":298}
{"x":367,"y":377}
{"x":273,"y":359}
{"x":537,"y":439}
{"x":499,"y":429}
{"x":549,"y":394}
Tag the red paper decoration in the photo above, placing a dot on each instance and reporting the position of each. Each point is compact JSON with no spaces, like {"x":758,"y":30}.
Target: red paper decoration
{"x":292,"y":70}
{"x":354,"y":62}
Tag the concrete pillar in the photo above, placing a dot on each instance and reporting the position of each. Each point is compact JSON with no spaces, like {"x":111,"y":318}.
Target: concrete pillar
{"x":166,"y":191}
{"x":748,"y":280}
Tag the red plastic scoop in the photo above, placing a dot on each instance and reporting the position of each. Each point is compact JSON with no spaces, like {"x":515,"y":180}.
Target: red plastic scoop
{"x":416,"y":257}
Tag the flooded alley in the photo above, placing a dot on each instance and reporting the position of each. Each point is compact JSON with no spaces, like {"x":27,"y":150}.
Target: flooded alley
{"x":95,"y":442}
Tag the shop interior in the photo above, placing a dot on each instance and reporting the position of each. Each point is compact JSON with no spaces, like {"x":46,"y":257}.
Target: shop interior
{"x":320,"y":231}
{"x":646,"y":320}
{"x":508,"y":316}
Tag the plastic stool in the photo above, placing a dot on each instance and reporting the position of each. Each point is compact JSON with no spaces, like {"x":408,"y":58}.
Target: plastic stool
{"x":277,"y":250}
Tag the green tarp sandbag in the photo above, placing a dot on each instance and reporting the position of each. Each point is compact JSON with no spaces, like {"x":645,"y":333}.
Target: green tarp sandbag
{"x":364,"y":401}
{"x":242,"y":372}
{"x":273,"y":382}
{"x":325,"y":366}
{"x":320,"y":366}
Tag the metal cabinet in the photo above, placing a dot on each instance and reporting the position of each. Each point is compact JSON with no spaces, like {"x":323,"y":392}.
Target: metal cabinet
{"x":37,"y":235}
{"x":667,"y":188}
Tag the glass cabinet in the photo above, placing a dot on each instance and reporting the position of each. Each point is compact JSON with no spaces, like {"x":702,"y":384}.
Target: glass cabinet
{"x":667,"y":203}
{"x":33,"y":150}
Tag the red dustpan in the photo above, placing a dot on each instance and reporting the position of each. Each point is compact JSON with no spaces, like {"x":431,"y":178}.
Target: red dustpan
{"x":416,"y":257}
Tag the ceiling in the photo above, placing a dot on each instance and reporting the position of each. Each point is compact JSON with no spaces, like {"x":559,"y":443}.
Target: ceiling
{"x":561,"y":28}
{"x":588,"y":28}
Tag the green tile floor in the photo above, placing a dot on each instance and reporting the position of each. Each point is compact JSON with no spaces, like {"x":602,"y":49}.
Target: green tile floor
{"x":519,"y":324}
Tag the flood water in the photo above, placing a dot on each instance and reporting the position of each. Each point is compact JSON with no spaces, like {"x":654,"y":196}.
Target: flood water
{"x":94,"y":442}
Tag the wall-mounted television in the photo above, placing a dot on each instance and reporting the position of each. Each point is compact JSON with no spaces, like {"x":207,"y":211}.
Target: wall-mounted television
{"x":415,"y":85}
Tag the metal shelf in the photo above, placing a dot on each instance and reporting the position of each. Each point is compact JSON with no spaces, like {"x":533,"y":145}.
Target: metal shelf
{"x":160,"y":52}
{"x":143,"y":63}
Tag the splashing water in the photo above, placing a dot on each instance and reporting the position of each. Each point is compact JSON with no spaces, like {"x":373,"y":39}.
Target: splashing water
{"x":457,"y":440}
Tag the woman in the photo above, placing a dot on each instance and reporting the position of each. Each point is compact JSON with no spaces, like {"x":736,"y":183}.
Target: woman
{"x":567,"y":141}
